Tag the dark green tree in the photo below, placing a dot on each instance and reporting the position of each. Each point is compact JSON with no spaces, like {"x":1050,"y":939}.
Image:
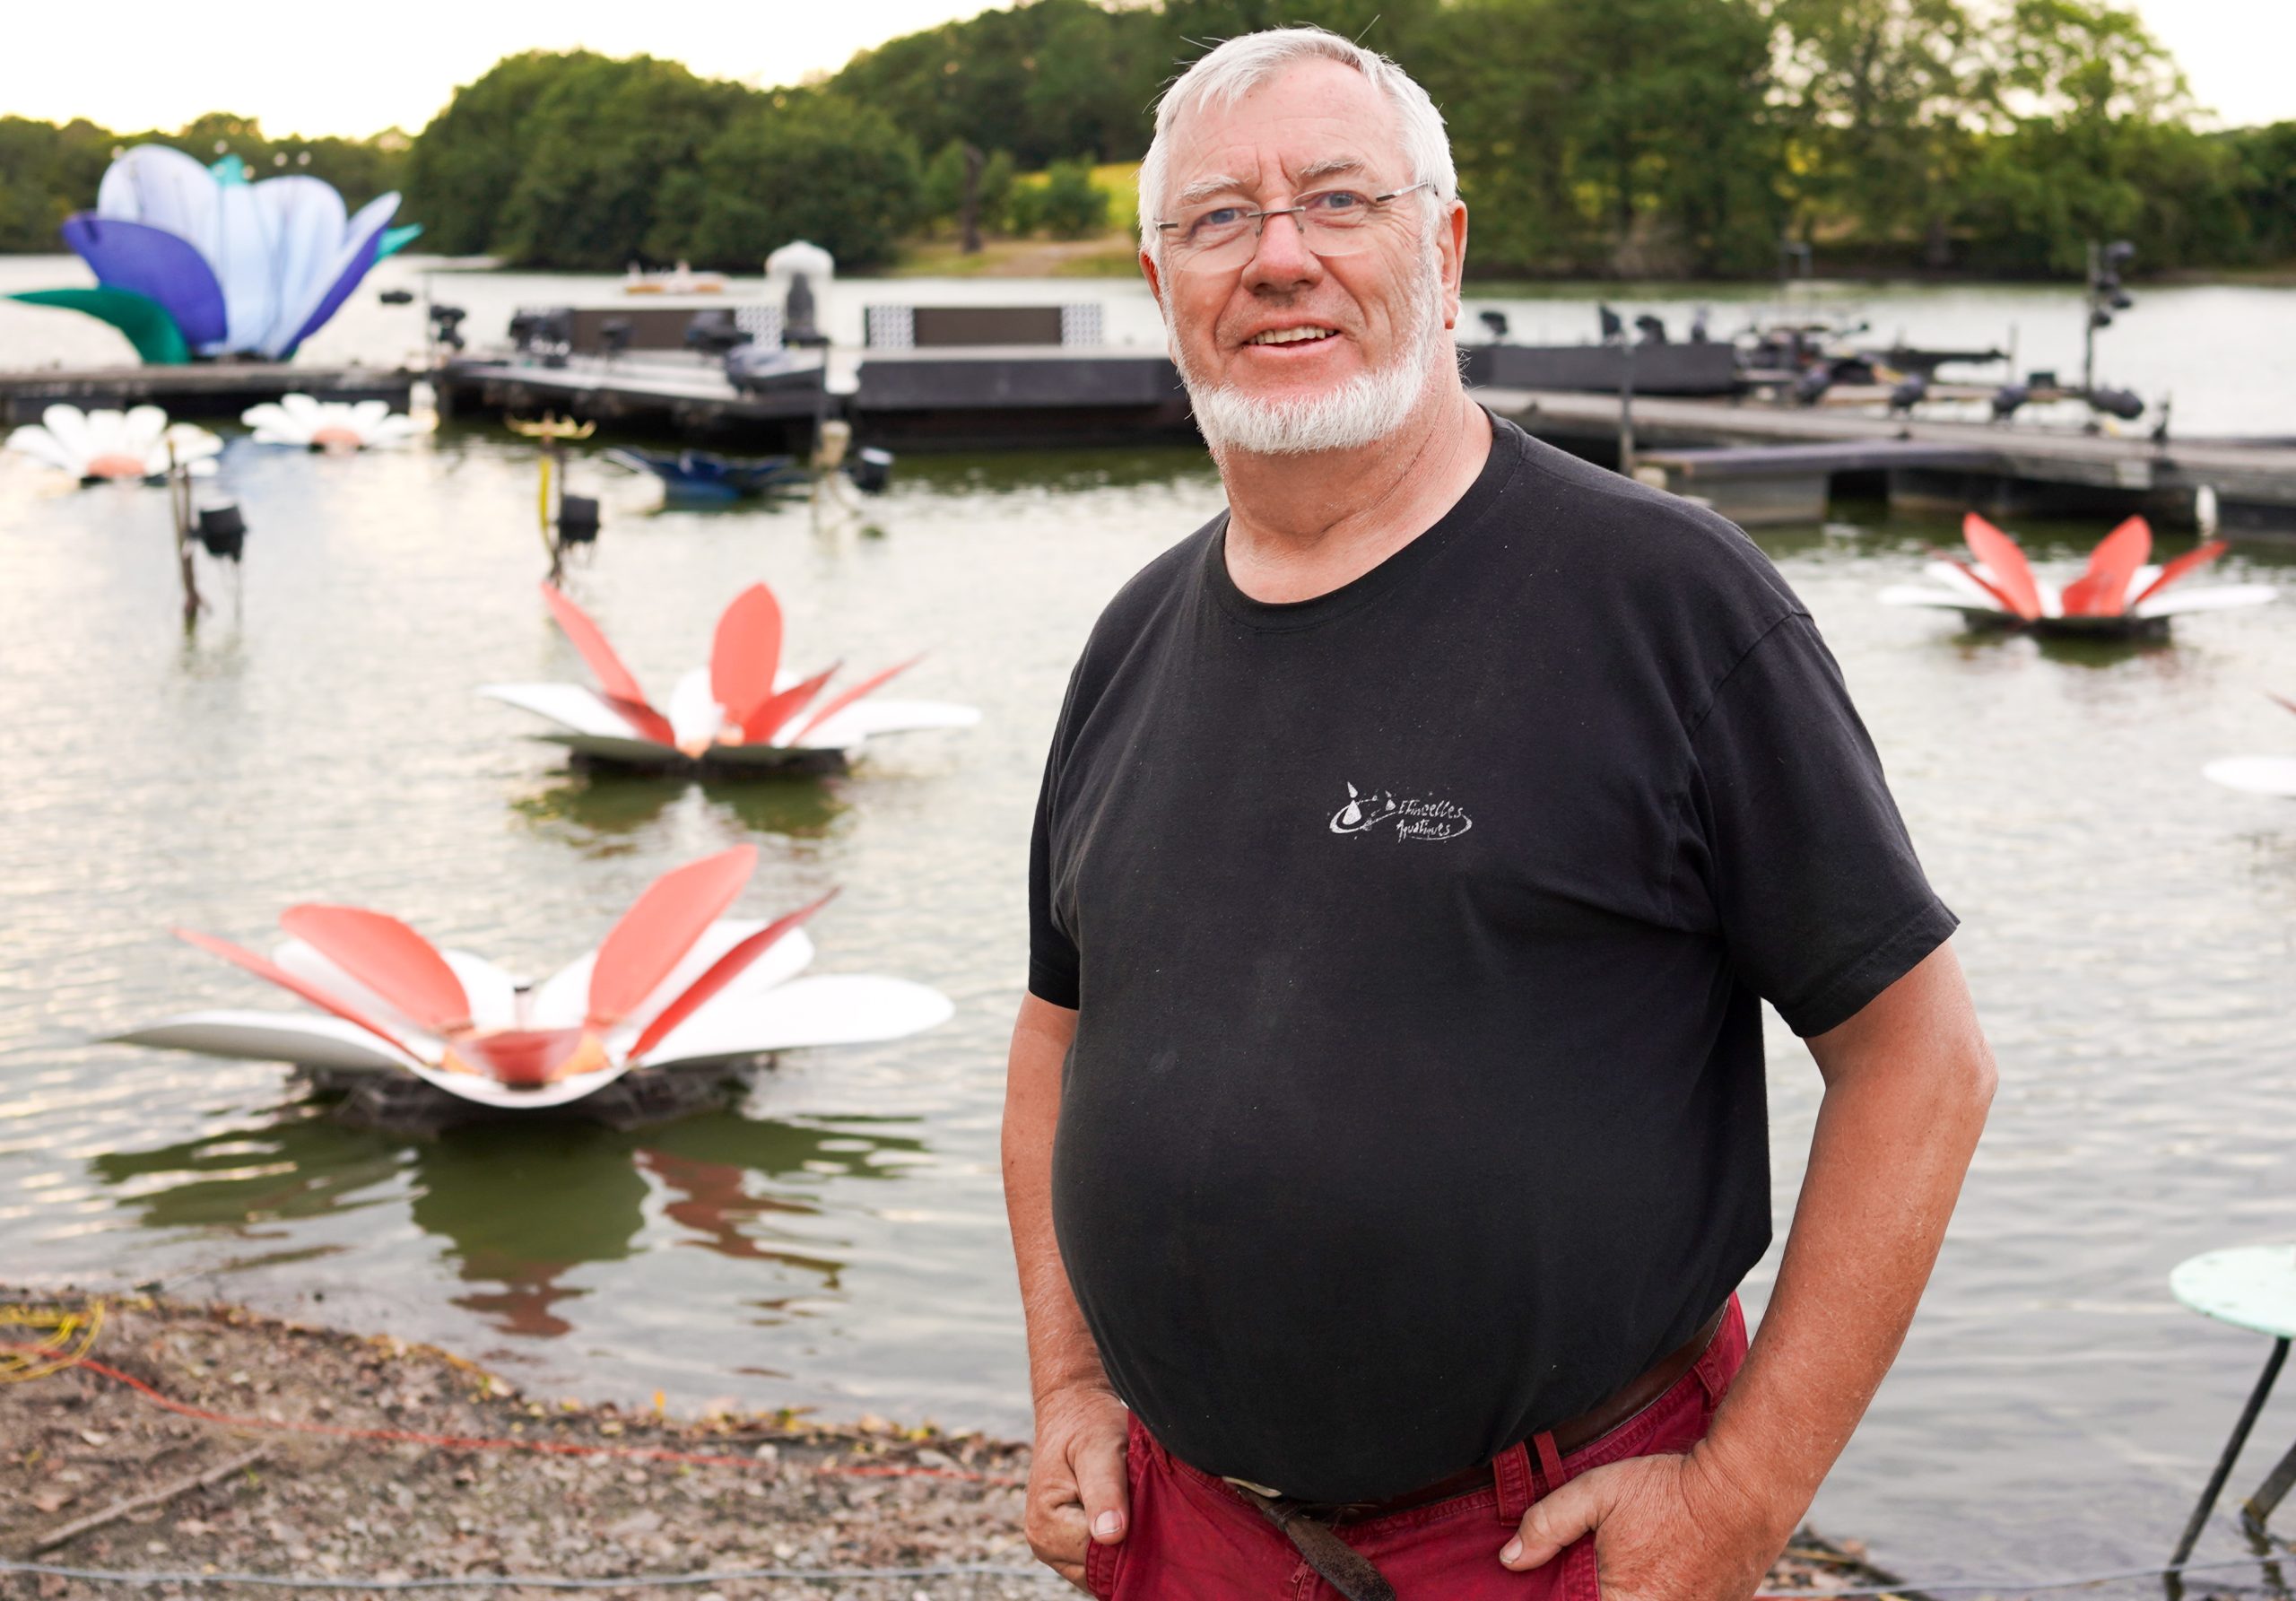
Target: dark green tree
{"x":798,"y":164}
{"x":465,"y":165}
{"x":1072,"y":205}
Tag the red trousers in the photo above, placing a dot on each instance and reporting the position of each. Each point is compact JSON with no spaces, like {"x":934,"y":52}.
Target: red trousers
{"x":1194,"y":1538}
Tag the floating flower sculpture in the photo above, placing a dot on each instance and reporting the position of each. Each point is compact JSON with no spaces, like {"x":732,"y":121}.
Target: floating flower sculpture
{"x":741,"y":712}
{"x":94,"y":445}
{"x":329,"y":424}
{"x":675,"y":985}
{"x":2119,"y":594}
{"x":196,"y":261}
{"x":2258,"y":775}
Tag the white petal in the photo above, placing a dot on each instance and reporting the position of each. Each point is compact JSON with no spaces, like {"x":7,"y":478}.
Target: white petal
{"x":869,"y":716}
{"x":570,"y":706}
{"x":70,"y":428}
{"x":694,"y":713}
{"x":831,"y":1009}
{"x":2213,"y":597}
{"x":37,"y":442}
{"x":2257,"y":775}
{"x":485,"y":1092}
{"x":493,"y":993}
{"x":301,"y":1039}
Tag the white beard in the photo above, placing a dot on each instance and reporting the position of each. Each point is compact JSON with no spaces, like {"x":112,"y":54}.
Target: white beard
{"x":1364,"y":410}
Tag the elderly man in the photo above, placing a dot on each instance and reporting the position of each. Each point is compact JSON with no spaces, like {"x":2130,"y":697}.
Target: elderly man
{"x":1386,"y":1135}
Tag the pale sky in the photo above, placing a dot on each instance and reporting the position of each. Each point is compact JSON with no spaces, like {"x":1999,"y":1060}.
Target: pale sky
{"x":322,"y":69}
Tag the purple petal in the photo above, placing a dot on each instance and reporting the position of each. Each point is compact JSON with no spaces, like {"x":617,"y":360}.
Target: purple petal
{"x":156,"y":265}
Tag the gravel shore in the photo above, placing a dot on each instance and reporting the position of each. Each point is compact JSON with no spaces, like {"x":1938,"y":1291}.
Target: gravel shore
{"x":300,"y":1467}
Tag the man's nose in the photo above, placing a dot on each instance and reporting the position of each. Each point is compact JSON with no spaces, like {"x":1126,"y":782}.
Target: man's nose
{"x":1283,"y":259}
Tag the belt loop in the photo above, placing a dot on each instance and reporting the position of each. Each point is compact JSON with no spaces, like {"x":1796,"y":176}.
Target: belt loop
{"x":1550,"y":1460}
{"x":1722,"y":1352}
{"x":1511,"y":1468}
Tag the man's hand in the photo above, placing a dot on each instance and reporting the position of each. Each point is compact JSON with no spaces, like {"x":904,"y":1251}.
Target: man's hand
{"x":1076,"y":1478}
{"x":1665,"y":1529}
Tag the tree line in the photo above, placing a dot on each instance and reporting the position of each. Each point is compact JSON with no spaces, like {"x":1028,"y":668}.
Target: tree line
{"x":1596,"y":137}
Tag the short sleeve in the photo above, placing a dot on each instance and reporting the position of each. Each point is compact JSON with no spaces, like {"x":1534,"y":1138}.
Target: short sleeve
{"x":1813,"y":879}
{"x":1053,"y":965}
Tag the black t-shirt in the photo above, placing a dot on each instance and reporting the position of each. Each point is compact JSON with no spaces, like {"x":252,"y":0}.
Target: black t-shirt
{"x":1416,"y":933}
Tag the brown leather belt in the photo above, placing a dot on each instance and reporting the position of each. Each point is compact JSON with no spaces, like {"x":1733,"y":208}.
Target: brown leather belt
{"x":1307,"y":1524}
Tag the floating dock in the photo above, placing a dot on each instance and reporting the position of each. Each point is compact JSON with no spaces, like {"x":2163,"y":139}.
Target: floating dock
{"x":1758,"y":462}
{"x":218,"y":389}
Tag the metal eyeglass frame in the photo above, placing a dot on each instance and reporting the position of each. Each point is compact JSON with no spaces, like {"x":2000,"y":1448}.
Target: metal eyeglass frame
{"x":1298,"y":214}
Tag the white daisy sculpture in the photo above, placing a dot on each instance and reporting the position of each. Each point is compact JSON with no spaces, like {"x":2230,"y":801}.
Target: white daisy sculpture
{"x":2258,"y":775}
{"x":742,"y":713}
{"x":97,"y":446}
{"x":334,"y":425}
{"x":2120,"y":594}
{"x":675,"y":985}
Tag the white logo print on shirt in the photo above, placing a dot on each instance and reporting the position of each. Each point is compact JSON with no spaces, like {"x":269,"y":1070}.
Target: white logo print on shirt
{"x":1423,"y":819}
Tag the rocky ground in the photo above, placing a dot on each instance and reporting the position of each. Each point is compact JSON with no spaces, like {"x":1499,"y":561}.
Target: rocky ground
{"x":97,"y":1475}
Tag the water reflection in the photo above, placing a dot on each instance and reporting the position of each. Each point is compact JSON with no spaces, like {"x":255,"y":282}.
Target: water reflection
{"x":602,"y":814}
{"x":520,"y":1206}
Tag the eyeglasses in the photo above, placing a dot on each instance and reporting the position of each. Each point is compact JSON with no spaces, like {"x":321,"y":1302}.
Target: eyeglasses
{"x":1331,"y":222}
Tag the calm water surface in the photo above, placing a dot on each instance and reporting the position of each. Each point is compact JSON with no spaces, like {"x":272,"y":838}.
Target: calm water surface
{"x":837,"y":1240}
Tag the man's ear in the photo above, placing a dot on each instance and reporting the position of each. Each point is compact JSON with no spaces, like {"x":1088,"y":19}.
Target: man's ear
{"x":1452,"y":241}
{"x":1156,"y":293}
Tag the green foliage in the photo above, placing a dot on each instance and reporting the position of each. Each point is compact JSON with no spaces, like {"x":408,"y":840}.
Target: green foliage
{"x":801,"y":164}
{"x":466,"y":164}
{"x":1592,"y":136}
{"x":606,"y":137}
{"x":1071,"y":204}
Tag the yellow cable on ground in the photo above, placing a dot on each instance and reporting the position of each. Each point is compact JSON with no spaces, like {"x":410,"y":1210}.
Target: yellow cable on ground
{"x":66,"y":1338}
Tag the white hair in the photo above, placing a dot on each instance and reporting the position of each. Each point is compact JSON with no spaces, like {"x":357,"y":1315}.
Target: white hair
{"x":1362,"y":411}
{"x":1223,"y":75}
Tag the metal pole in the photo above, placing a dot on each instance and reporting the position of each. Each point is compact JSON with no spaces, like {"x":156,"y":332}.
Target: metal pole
{"x":2089,"y":327}
{"x":2231,"y":1453}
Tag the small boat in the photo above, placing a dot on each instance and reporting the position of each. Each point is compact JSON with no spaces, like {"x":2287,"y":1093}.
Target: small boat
{"x":2119,"y":595}
{"x":681,"y":279}
{"x":700,"y":477}
{"x":677,"y":988}
{"x":2257,"y":775}
{"x":740,"y":714}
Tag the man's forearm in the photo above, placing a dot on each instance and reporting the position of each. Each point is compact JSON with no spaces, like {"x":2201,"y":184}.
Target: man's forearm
{"x":1907,"y":1084}
{"x":1061,"y":1352}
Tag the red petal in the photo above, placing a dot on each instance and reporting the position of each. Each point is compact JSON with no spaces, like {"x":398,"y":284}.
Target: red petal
{"x":840,"y":702}
{"x":656,"y":932}
{"x":264,"y":968}
{"x":762,"y":725}
{"x":745,"y":653}
{"x":2102,"y":591}
{"x":2013,"y":579}
{"x":721,"y":973}
{"x":615,"y":681}
{"x":388,"y":958}
{"x":2189,"y":562}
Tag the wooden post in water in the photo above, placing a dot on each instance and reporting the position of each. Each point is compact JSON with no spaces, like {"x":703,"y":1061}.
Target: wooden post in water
{"x":180,"y":508}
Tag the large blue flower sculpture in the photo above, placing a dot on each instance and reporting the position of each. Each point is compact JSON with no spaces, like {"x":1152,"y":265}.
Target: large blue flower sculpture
{"x":197,"y":262}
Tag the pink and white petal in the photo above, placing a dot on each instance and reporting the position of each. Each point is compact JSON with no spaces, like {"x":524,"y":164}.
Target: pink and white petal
{"x":831,"y":1009}
{"x":572,"y":706}
{"x":486,"y":1092}
{"x":1953,"y":578}
{"x":693,"y":711}
{"x":2256,"y":775}
{"x":2213,"y":597}
{"x":296,"y":1038}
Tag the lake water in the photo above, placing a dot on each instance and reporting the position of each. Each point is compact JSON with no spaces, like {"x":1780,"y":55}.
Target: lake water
{"x":838,"y":1240}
